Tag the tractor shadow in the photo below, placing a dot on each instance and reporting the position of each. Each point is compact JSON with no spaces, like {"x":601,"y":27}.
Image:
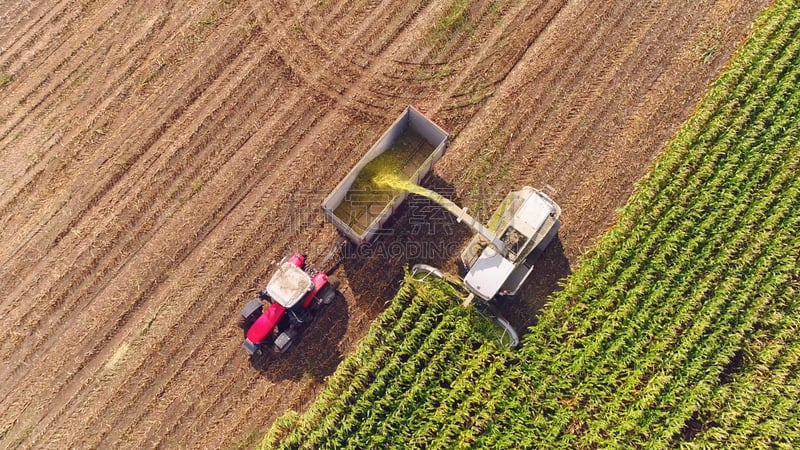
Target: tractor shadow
{"x":315,"y":354}
{"x":544,"y":281}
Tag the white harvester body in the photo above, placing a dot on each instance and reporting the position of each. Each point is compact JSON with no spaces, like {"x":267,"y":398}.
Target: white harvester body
{"x":525,"y":223}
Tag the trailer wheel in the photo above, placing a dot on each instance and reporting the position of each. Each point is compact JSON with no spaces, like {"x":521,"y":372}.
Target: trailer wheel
{"x":328,"y":293}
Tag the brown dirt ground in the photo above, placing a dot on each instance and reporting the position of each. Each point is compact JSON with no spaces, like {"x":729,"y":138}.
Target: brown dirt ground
{"x":157,"y":157}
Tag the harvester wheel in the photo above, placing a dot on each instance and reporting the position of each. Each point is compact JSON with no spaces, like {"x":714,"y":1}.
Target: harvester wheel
{"x":421,"y":271}
{"x":509,"y":338}
{"x":507,"y":334}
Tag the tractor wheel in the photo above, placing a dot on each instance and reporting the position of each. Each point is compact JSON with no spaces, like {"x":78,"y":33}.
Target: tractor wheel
{"x":327,"y":295}
{"x":250,"y":313}
{"x":286,"y":340}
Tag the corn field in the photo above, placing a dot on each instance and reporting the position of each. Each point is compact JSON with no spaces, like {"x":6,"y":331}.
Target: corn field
{"x":679,"y":329}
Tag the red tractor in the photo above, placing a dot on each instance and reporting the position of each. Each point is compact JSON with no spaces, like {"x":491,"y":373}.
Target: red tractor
{"x":292,"y":295}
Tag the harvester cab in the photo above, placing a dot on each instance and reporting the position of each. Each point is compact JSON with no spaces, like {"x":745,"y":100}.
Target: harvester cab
{"x":499,"y":258}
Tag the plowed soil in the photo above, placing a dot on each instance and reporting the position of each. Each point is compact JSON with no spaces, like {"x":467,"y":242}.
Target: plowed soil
{"x":156,"y":159}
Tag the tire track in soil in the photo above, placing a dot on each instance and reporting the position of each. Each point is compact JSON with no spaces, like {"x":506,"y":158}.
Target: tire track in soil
{"x":295,"y":50}
{"x":47,"y":181}
{"x":529,"y":22}
{"x":463,"y":62}
{"x":34,"y":91}
{"x":25,"y":38}
{"x":44,"y":181}
{"x":41,"y":181}
{"x":11,"y":104}
{"x":125,"y":137}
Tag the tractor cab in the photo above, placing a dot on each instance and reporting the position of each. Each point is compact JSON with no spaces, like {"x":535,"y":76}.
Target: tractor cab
{"x":289,"y":285}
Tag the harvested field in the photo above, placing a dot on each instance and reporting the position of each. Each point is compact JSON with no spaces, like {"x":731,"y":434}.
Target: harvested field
{"x":156,"y":160}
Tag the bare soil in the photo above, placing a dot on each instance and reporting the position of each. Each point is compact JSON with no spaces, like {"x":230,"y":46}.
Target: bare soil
{"x":157,"y":159}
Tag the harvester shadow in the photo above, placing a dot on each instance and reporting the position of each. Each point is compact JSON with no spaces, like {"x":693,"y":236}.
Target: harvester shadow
{"x":315,"y":354}
{"x":549,"y":270}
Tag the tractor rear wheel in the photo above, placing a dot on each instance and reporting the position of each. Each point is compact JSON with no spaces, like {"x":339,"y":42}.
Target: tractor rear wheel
{"x":328,"y":293}
{"x":250,"y":313}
